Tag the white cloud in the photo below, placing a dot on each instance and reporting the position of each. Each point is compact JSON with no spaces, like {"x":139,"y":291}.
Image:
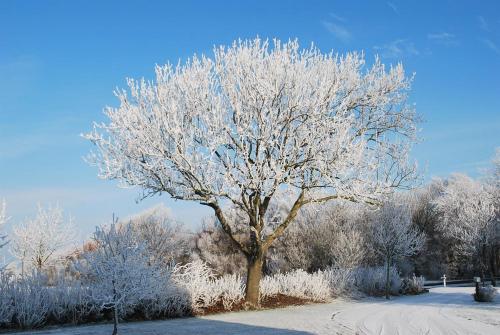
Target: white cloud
{"x":337,"y":28}
{"x":483,"y":24}
{"x":443,"y":38}
{"x":338,"y":31}
{"x":338,"y":17}
{"x":393,"y":7}
{"x":397,"y":49}
{"x":492,"y":45}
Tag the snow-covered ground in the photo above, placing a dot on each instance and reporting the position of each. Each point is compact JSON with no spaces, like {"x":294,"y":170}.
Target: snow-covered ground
{"x":448,"y":310}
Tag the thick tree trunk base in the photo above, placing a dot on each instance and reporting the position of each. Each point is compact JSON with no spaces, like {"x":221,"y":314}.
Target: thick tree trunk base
{"x":252,"y":292}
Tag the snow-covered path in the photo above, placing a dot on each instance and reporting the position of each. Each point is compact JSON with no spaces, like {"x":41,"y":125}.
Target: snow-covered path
{"x":442,"y":311}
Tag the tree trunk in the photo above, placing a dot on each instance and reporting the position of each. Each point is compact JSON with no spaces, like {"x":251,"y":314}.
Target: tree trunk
{"x":493,"y":270}
{"x":483,"y":263}
{"x":115,"y":320}
{"x":115,"y":309}
{"x":387,"y":283}
{"x":254,"y":274}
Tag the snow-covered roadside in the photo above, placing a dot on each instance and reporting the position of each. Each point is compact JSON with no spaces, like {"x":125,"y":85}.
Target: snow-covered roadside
{"x":448,"y":310}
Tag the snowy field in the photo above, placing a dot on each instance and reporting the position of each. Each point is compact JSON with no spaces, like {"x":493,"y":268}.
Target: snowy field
{"x":448,"y":310}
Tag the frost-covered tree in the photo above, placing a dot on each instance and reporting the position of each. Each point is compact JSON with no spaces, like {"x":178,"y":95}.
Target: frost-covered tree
{"x":37,"y":240}
{"x":165,"y":239}
{"x":493,"y":187}
{"x":3,"y":236}
{"x":467,"y":215}
{"x":3,"y":220}
{"x":493,"y":175}
{"x":394,"y":237}
{"x":322,"y":236}
{"x":215,"y":247}
{"x":440,"y":256}
{"x":255,"y":119}
{"x":119,"y":270}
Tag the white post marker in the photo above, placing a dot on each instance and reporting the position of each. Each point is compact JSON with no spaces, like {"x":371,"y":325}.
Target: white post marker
{"x":444,"y":280}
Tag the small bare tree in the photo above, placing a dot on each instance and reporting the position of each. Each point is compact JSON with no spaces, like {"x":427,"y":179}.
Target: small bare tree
{"x":37,"y":240}
{"x":120,"y":270}
{"x":254,"y":120}
{"x":394,"y":237}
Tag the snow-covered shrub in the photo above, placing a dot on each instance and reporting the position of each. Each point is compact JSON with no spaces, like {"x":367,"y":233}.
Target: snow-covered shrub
{"x":230,"y":288}
{"x":341,"y":281}
{"x":30,"y":301}
{"x":197,"y":279}
{"x":412,"y":285}
{"x":70,"y":302}
{"x":372,"y":280}
{"x":168,"y":301}
{"x":298,"y":284}
{"x":6,"y":303}
{"x":485,"y":294}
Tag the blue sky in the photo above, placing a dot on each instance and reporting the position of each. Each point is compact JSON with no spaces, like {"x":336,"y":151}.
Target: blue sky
{"x":61,"y":60}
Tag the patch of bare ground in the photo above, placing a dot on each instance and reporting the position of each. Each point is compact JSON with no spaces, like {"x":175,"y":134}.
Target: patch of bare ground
{"x":277,"y":301}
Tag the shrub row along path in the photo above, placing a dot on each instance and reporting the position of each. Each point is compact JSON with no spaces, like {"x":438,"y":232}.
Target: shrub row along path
{"x":448,"y":310}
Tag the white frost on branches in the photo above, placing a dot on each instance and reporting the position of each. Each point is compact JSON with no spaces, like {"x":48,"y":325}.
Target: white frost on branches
{"x":467,"y":212}
{"x":165,"y":239}
{"x":37,"y":240}
{"x":119,"y":270}
{"x":257,"y":119}
{"x":254,"y":118}
{"x":3,"y":220}
{"x":394,"y":236}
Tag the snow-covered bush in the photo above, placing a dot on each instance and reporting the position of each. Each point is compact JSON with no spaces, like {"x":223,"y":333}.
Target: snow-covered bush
{"x":372,"y":280}
{"x":6,"y":303}
{"x":31,"y":302}
{"x":367,"y":280}
{"x":231,"y":289}
{"x":341,"y":281}
{"x":70,"y":302}
{"x":485,"y":294}
{"x":168,"y":300}
{"x":203,"y":289}
{"x":412,"y":285}
{"x":298,"y":284}
{"x":197,"y":279}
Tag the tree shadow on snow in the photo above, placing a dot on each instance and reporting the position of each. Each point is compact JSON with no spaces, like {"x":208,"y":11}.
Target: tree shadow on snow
{"x":181,"y":326}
